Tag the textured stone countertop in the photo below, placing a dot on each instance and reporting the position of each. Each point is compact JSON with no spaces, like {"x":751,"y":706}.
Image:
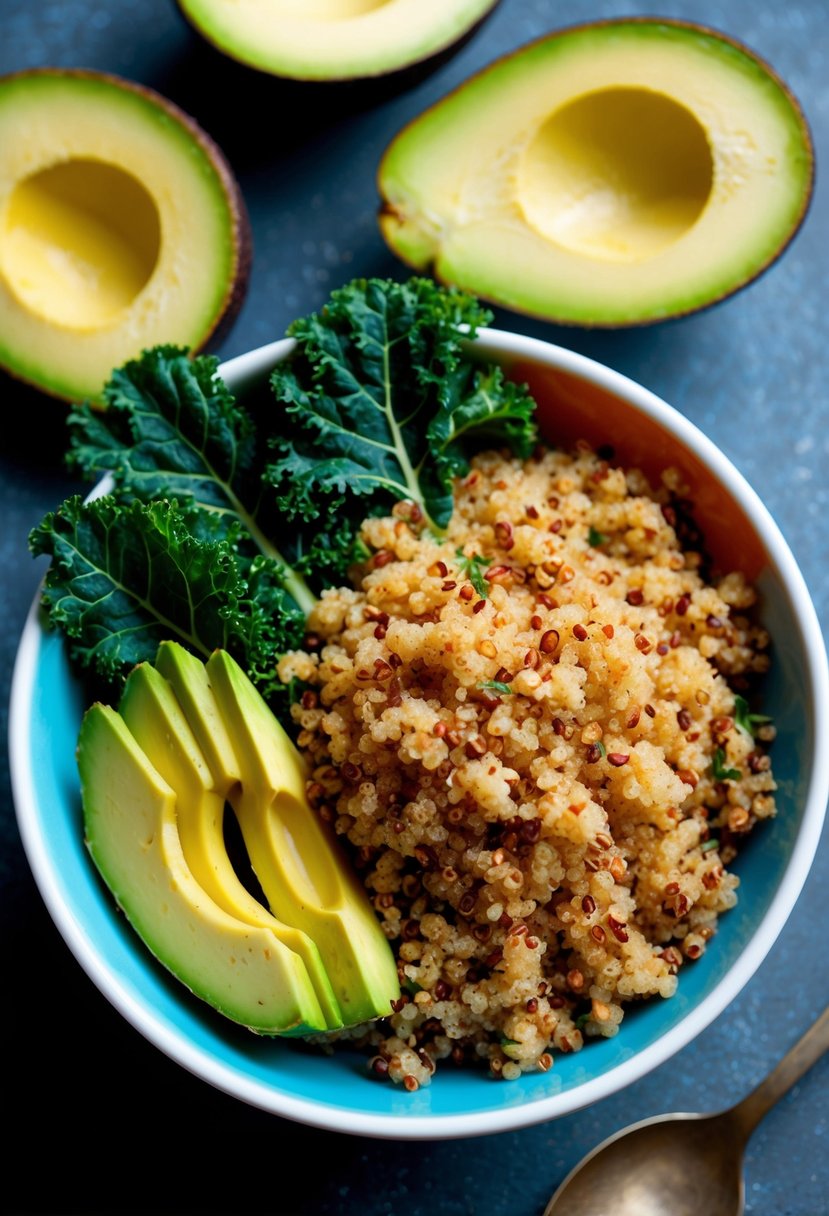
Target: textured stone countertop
{"x":100,"y":1121}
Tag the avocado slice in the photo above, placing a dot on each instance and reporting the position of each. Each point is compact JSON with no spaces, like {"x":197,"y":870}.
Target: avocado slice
{"x":130,"y":822}
{"x":609,"y":174}
{"x":305,"y":877}
{"x":336,"y":39}
{"x":152,"y":713}
{"x":189,"y":680}
{"x":124,"y":228}
{"x":297,"y":859}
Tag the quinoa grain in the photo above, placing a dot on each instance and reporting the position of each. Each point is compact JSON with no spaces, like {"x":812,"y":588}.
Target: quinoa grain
{"x":558,"y":841}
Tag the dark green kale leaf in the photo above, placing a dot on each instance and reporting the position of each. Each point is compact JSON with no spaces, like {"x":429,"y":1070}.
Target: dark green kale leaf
{"x":324,"y":554}
{"x":386,"y":401}
{"x":123,"y":577}
{"x":171,"y":429}
{"x":479,"y":408}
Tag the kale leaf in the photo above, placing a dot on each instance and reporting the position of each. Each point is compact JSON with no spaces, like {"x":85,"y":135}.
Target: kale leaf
{"x":123,"y":577}
{"x":172,"y":429}
{"x":387,"y":401}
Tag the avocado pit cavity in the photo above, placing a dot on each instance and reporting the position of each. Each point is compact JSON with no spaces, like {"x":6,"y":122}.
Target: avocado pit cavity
{"x":616,"y":174}
{"x":80,"y":242}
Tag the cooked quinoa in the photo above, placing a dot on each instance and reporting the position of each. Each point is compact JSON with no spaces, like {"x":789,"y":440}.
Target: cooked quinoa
{"x":525,"y":734}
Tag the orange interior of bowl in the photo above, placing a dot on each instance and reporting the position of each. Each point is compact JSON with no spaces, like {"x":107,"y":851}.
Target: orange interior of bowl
{"x":570,"y":409}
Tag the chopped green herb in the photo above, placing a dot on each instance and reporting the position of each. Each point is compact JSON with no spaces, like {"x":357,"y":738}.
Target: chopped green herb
{"x":602,"y":748}
{"x":496,"y":686}
{"x":595,"y":538}
{"x":713,"y":843}
{"x":411,"y":986}
{"x":510,"y":1047}
{"x":746,"y":720}
{"x":473,"y":569}
{"x":581,"y":1020}
{"x":721,"y":773}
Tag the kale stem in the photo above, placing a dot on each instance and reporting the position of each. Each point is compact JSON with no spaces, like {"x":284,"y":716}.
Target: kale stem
{"x":293,"y":583}
{"x":402,"y":454}
{"x":297,"y":587}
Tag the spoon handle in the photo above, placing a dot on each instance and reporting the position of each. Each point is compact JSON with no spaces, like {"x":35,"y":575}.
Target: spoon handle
{"x":806,"y":1052}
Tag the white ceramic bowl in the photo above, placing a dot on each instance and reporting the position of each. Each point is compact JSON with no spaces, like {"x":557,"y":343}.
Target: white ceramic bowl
{"x":580,"y":398}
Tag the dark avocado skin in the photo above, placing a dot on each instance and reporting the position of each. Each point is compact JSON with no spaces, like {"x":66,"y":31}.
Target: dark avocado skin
{"x":241,"y":233}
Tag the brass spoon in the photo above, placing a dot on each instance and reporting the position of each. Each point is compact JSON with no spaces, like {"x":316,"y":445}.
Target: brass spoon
{"x":682,"y":1164}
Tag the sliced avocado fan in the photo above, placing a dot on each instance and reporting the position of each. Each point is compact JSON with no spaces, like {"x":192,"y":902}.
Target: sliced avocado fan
{"x":149,"y":708}
{"x":156,"y":774}
{"x":130,"y":821}
{"x":306,"y":879}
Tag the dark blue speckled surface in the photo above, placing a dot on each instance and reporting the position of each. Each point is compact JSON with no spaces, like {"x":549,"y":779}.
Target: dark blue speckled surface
{"x":100,"y":1121}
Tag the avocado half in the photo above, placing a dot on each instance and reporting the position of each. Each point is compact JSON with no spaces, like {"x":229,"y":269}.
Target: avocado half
{"x":609,"y":174}
{"x":330,"y":40}
{"x":121,"y":226}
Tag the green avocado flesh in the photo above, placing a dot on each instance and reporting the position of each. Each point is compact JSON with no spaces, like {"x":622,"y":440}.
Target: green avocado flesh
{"x":610,"y":174}
{"x":333,"y":39}
{"x":122,"y":228}
{"x":156,"y":775}
{"x":131,"y":830}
